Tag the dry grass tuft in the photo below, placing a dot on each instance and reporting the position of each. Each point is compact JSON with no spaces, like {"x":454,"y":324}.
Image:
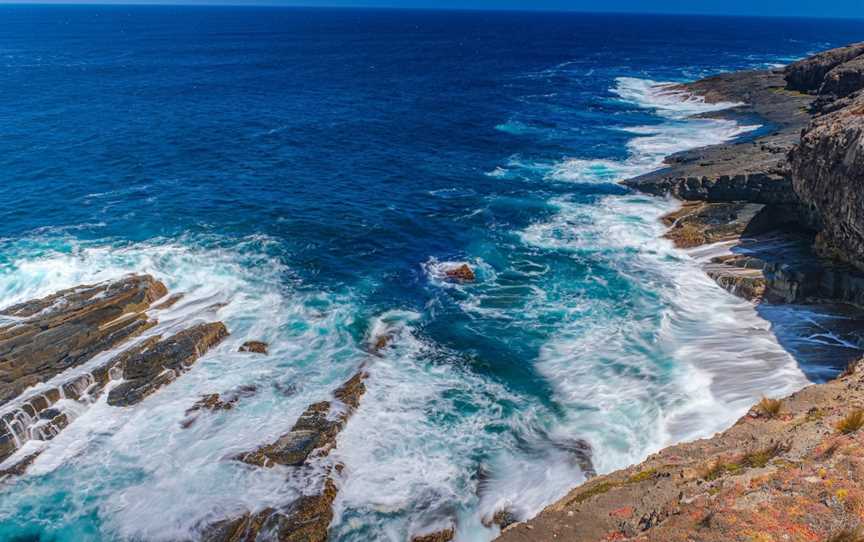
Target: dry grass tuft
{"x":769,"y":408}
{"x":851,"y":423}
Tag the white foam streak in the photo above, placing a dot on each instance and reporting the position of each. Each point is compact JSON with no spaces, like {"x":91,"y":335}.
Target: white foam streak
{"x":125,"y":464}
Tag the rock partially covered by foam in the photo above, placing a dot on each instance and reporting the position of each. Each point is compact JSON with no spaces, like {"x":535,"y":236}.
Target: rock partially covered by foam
{"x":314,"y":431}
{"x":163,"y":362}
{"x":305,"y":520}
{"x":308,"y":518}
{"x":257,"y":347}
{"x":461,"y":273}
{"x":444,"y":535}
{"x":807,"y":75}
{"x":49,"y":335}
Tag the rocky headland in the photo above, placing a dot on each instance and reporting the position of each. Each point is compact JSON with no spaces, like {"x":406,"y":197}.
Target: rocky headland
{"x":786,"y":209}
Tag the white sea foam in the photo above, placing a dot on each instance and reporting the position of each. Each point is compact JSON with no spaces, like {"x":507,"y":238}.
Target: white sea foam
{"x":631,"y":386}
{"x":646,"y":152}
{"x":124,"y":464}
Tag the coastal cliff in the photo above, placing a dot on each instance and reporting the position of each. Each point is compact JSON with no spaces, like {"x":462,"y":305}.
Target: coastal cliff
{"x":790,"y":206}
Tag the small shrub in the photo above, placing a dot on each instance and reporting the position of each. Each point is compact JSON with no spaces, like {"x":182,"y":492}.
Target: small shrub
{"x":642,"y":476}
{"x":852,"y":422}
{"x":769,"y":408}
{"x":760,"y":458}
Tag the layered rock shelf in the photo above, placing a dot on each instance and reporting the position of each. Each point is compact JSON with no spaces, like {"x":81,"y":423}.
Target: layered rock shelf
{"x":90,"y":332}
{"x":40,"y":339}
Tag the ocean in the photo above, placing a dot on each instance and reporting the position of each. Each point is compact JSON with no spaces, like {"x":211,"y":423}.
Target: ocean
{"x":315,"y":171}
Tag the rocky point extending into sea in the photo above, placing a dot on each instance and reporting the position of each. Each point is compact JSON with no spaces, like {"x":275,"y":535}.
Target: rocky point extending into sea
{"x":788,"y":209}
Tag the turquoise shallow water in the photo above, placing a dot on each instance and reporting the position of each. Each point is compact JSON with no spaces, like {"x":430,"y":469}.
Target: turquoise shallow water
{"x":316,"y":170}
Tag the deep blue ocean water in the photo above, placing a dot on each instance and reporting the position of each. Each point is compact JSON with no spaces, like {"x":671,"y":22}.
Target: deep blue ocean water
{"x":317,"y":170}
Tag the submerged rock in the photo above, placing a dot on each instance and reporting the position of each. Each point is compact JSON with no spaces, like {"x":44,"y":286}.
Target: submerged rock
{"x":65,"y":329}
{"x":163,"y":362}
{"x":257,"y":347}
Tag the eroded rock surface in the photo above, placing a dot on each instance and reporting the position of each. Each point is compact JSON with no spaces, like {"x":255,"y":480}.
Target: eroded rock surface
{"x":163,"y":362}
{"x":40,"y":339}
{"x":828,"y":170}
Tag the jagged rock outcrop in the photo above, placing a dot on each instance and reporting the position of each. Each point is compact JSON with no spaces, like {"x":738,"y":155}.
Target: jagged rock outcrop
{"x":461,"y":273}
{"x":807,"y":75}
{"x":163,"y":362}
{"x":308,"y":518}
{"x":828,"y":168}
{"x":315,"y":430}
{"x":786,"y":471}
{"x":49,"y":335}
{"x":844,"y":79}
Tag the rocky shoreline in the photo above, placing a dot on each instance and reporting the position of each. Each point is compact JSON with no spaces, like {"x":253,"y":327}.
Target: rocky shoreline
{"x":788,"y":209}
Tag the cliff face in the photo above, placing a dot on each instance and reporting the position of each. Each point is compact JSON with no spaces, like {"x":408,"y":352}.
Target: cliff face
{"x":807,"y":75}
{"x":828,"y":175}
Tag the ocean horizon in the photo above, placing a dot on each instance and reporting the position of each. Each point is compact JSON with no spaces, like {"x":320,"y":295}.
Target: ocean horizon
{"x":311,"y":178}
